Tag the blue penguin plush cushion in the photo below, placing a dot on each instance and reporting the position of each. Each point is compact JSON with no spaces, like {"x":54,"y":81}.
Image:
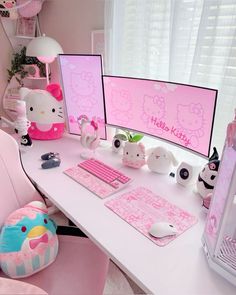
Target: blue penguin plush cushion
{"x":28,"y":241}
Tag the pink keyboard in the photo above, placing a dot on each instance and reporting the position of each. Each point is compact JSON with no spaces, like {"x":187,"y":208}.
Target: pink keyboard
{"x":98,"y":177}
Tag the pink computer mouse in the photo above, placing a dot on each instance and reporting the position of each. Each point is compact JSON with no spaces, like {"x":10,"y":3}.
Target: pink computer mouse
{"x":162,"y":229}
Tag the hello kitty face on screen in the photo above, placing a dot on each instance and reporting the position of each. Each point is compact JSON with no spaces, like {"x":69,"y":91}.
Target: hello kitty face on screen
{"x":121,"y":100}
{"x":154,"y":106}
{"x":190,"y":117}
{"x":42,"y":107}
{"x":165,"y":87}
{"x":82,"y":83}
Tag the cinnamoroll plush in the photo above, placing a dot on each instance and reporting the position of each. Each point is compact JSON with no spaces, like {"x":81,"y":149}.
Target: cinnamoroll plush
{"x":161,"y":160}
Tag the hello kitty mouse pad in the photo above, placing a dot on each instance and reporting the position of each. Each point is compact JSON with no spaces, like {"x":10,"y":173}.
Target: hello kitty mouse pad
{"x":143,"y":209}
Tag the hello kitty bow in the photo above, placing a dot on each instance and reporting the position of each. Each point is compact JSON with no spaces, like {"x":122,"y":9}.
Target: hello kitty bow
{"x":55,"y":91}
{"x":83,"y":119}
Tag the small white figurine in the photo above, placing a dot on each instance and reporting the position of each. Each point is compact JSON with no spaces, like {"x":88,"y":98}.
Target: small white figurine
{"x":161,"y":160}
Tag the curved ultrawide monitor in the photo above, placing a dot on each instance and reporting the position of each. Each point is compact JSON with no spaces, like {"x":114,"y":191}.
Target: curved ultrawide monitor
{"x":178,"y":113}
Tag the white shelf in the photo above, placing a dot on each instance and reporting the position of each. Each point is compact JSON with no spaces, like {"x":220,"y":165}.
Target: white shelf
{"x":23,"y":37}
{"x":34,"y":78}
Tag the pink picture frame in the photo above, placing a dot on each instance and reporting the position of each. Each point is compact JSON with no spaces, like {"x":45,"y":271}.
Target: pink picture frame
{"x":26,"y":27}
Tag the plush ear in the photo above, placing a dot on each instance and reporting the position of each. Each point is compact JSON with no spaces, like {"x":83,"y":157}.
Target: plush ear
{"x":142,"y":147}
{"x":215,"y":155}
{"x":149,"y":151}
{"x":55,"y":91}
{"x":23,"y":92}
{"x":174,"y":160}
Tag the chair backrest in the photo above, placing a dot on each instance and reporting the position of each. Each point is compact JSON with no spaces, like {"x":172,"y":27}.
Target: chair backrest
{"x":16,"y":190}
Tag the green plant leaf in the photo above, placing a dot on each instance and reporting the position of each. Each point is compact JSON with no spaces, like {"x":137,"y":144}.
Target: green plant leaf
{"x":121,"y":136}
{"x":17,"y":68}
{"x":129,"y":135}
{"x":136,"y":137}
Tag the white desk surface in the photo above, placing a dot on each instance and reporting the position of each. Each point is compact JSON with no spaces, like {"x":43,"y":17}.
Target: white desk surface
{"x":178,"y":268}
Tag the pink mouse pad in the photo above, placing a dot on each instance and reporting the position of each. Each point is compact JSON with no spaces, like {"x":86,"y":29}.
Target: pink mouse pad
{"x":141,"y":208}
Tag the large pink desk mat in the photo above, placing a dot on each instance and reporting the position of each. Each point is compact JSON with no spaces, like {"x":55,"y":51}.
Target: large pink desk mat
{"x":141,"y":208}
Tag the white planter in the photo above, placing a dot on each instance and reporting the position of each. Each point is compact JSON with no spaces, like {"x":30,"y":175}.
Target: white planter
{"x":134,"y":155}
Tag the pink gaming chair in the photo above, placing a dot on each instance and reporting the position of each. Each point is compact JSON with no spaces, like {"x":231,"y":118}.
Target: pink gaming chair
{"x":80,"y":267}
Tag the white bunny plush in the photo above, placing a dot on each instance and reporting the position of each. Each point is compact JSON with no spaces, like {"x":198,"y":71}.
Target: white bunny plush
{"x":161,"y":160}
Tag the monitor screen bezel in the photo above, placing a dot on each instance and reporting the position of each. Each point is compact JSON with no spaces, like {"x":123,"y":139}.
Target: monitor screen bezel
{"x":64,"y":100}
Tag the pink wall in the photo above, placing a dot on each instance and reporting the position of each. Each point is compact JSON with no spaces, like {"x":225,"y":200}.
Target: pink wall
{"x":6,"y":51}
{"x":69,"y":22}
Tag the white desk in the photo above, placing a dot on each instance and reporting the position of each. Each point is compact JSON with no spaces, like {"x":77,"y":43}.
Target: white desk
{"x":178,"y":268}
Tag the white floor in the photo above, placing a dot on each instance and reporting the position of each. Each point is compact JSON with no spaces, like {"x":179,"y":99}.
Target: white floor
{"x":119,"y":284}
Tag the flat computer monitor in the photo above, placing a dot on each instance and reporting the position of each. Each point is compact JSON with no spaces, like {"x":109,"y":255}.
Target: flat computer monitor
{"x":82,"y":84}
{"x":178,"y":113}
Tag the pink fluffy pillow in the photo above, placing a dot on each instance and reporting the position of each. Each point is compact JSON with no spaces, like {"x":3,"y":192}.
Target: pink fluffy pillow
{"x":30,"y":9}
{"x":28,"y":241}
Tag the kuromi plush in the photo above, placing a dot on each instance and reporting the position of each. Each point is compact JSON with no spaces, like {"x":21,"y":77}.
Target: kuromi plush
{"x":161,"y":160}
{"x":207,"y":177}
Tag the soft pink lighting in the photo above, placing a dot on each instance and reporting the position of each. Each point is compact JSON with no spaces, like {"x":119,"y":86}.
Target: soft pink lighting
{"x":46,"y":59}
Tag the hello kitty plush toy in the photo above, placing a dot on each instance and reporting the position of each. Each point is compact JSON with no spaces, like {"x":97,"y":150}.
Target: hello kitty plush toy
{"x":44,"y":111}
{"x":161,"y":160}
